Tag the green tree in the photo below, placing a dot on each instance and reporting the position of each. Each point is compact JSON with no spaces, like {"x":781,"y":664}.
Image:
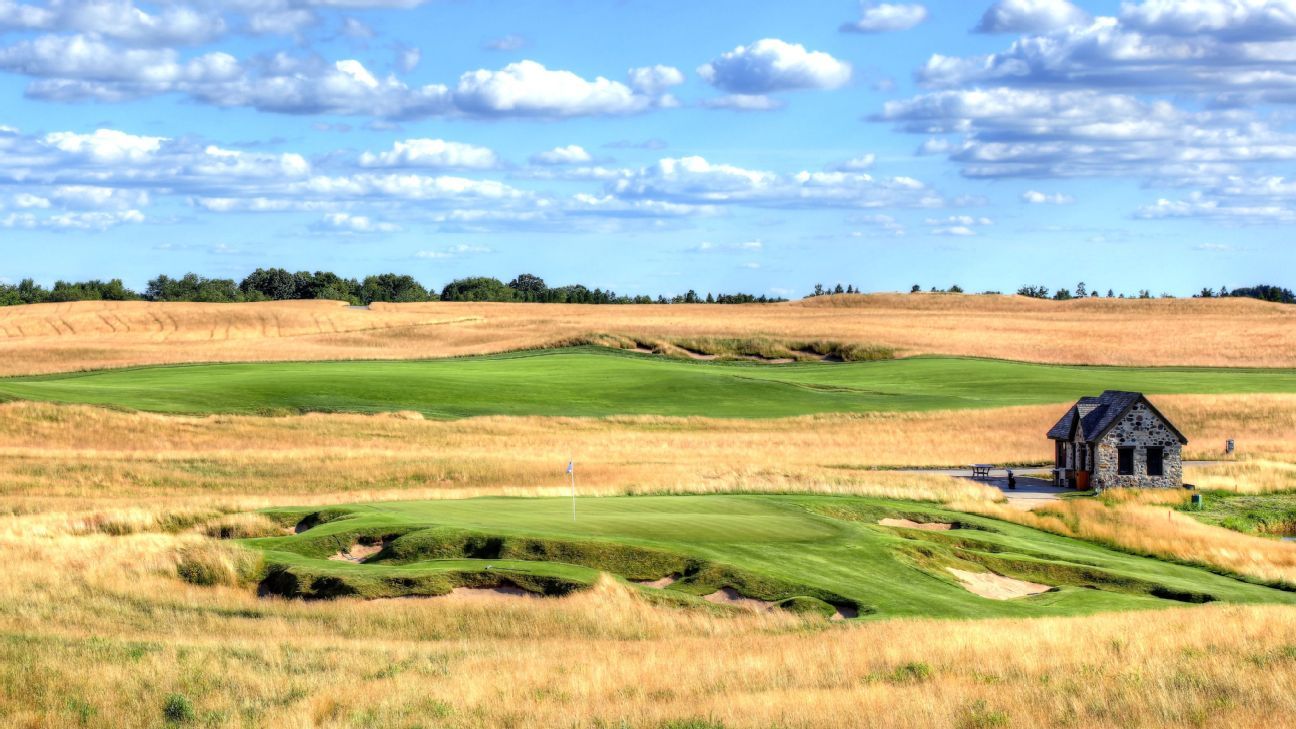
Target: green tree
{"x":393,"y":288}
{"x":529,"y":287}
{"x":477,"y":288}
{"x":275,"y":284}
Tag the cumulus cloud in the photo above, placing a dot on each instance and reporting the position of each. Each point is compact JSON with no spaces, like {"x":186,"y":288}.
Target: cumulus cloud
{"x":771,"y":65}
{"x":86,"y":67}
{"x":1035,"y":197}
{"x":432,"y":154}
{"x":696,"y":181}
{"x":97,"y":221}
{"x":568,"y":155}
{"x":1045,"y":133}
{"x":348,"y":223}
{"x":856,"y":164}
{"x":1030,"y":16}
{"x":121,"y":20}
{"x":963,"y":226}
{"x":886,"y":18}
{"x":743,"y":102}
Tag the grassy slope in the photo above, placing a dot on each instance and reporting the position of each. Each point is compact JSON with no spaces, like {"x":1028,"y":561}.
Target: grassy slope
{"x":593,"y":382}
{"x":829,"y":544}
{"x":1271,"y":515}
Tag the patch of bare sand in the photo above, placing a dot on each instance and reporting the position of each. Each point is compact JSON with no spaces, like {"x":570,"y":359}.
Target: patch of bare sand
{"x":503,"y":592}
{"x":997,"y":587}
{"x":357,"y":553}
{"x":732,"y":598}
{"x":931,"y":526}
{"x":660,"y":584}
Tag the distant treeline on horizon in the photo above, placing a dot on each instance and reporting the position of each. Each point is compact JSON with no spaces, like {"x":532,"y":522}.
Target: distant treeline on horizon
{"x":277,"y":284}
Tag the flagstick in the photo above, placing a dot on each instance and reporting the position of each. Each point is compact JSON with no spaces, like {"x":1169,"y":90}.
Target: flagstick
{"x":572,"y":471}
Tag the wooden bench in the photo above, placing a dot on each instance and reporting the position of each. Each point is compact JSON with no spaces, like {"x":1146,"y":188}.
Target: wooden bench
{"x":981,"y":470}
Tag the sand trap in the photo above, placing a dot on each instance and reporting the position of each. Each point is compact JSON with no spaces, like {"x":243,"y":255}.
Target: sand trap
{"x":732,"y":598}
{"x":661,"y":584}
{"x":505,"y":592}
{"x":844,"y":613}
{"x":357,"y":553}
{"x":997,"y":587}
{"x":931,"y":526}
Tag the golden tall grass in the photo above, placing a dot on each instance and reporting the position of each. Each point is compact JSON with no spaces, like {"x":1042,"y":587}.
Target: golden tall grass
{"x":50,"y":451}
{"x":84,"y":335}
{"x":98,"y":632}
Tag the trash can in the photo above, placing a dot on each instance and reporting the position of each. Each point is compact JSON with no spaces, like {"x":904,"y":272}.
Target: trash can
{"x":1197,"y":501}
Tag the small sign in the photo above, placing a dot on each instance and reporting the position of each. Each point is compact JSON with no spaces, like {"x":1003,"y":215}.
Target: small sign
{"x":1228,"y":446}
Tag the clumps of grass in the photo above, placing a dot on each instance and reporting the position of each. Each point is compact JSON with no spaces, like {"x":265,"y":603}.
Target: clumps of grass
{"x":304,"y":519}
{"x":177,"y":709}
{"x":308,"y":583}
{"x":979,"y":715}
{"x":213,"y":563}
{"x":911,"y":672}
{"x":766,"y":349}
{"x":124,"y":523}
{"x":250,"y":525}
{"x":803,"y":605}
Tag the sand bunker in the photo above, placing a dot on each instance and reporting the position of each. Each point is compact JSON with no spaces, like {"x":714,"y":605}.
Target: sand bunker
{"x":660,"y":584}
{"x":504,"y":592}
{"x":931,"y":526}
{"x":732,"y":598}
{"x":844,"y":613}
{"x":357,"y":553}
{"x":997,"y":587}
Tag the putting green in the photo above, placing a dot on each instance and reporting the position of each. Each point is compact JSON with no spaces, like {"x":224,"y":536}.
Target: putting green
{"x":831,"y":550}
{"x":597,"y":382}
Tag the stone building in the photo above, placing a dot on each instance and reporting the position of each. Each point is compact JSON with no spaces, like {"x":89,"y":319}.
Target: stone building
{"x":1117,"y":440}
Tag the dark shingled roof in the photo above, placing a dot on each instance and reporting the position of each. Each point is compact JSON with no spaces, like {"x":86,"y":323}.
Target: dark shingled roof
{"x":1097,"y":415}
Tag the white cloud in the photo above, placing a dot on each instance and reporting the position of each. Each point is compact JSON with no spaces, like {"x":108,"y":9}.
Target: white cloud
{"x":120,"y":20}
{"x":770,"y":65}
{"x":432,"y":154}
{"x":455,"y":251}
{"x":510,"y":42}
{"x":695,"y":181}
{"x":1035,"y":197}
{"x":71,"y":220}
{"x":856,"y":164}
{"x":748,"y":246}
{"x":347,"y":223}
{"x":655,"y":80}
{"x":569,"y":155}
{"x":958,"y":225}
{"x":105,"y":146}
{"x":886,"y":18}
{"x":527,"y":88}
{"x":743,"y":102}
{"x":1030,"y":16}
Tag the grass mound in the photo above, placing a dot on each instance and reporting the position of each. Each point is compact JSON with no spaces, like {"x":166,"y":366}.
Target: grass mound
{"x":817,"y":555}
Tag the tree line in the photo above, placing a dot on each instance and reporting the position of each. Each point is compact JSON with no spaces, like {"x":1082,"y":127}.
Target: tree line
{"x":278,"y":284}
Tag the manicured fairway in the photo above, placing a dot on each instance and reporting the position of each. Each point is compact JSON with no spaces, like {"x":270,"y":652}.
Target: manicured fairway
{"x":595,"y":382}
{"x":774,"y":548}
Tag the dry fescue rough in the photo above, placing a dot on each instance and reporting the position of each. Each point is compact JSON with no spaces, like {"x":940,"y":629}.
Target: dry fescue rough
{"x":52,"y":451}
{"x":84,"y":335}
{"x":1136,"y":524}
{"x":99,"y":631}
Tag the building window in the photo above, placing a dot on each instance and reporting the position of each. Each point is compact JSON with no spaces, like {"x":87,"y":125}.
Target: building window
{"x":1125,"y":461}
{"x":1156,"y":461}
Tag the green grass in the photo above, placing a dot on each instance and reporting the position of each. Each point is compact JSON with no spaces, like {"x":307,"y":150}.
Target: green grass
{"x":801,"y":550}
{"x":595,"y":382}
{"x":1271,"y":515}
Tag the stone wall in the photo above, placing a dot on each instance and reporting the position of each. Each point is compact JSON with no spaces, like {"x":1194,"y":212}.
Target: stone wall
{"x":1140,"y":429}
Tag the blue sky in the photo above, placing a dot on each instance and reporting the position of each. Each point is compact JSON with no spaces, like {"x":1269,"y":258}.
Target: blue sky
{"x":653,"y":145}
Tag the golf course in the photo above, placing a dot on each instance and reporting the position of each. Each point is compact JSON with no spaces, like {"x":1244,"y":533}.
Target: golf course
{"x":597,"y":382}
{"x":836,"y":555}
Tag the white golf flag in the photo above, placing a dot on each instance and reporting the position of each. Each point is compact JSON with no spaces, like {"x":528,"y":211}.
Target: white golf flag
{"x":571,"y":466}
